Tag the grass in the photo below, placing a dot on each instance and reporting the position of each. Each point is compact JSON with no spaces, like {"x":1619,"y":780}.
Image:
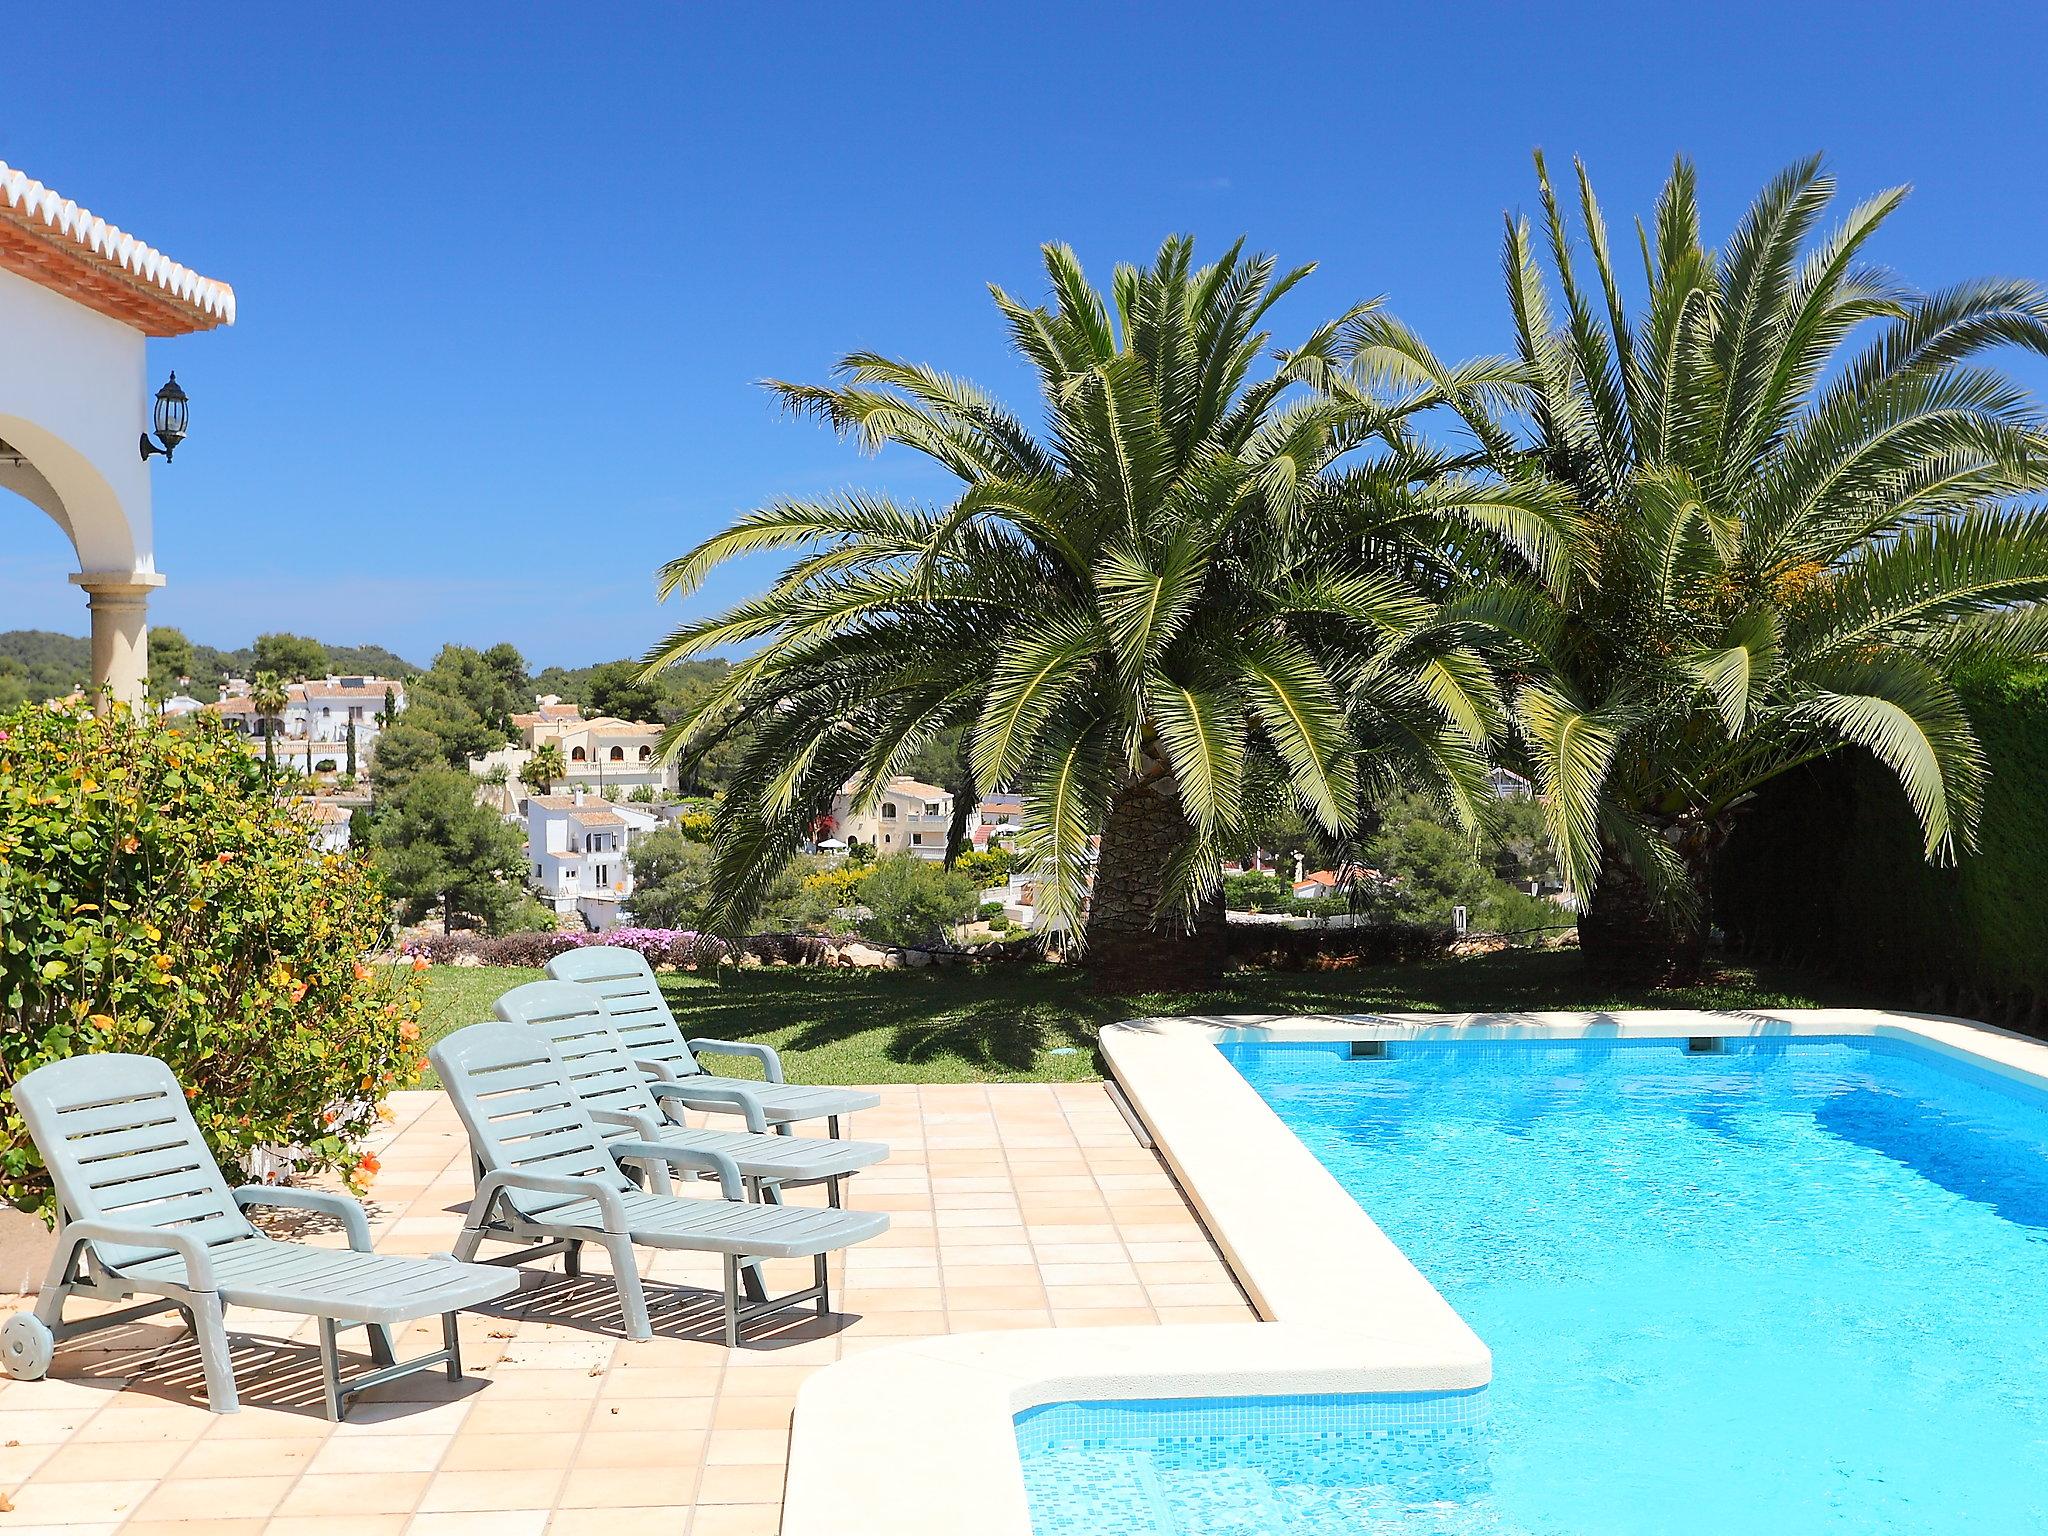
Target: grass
{"x":1039,"y":1023}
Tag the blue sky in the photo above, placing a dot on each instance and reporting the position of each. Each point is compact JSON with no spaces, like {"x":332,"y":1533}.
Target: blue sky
{"x":508,"y":276}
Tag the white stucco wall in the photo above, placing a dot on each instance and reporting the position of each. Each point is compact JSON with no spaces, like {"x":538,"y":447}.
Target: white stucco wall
{"x":74,"y":399}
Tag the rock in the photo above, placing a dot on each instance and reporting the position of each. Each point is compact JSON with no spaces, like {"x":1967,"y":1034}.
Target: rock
{"x":917,"y":959}
{"x":866,"y":956}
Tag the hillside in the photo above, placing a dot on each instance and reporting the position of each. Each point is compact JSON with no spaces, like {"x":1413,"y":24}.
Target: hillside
{"x":40,"y":663}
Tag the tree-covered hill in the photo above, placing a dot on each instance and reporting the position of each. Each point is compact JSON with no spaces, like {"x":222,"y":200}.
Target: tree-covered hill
{"x":40,"y":663}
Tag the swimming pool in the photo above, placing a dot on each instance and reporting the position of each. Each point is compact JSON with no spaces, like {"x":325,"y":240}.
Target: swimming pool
{"x":1788,"y":1286}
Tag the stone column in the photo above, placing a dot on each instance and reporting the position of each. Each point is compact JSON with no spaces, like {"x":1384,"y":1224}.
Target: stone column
{"x":119,"y":601}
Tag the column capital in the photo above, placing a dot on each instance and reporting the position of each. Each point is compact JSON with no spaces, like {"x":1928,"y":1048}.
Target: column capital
{"x":117,"y":584}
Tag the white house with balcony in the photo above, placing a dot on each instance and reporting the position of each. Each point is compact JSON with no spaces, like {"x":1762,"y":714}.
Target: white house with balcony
{"x":576,"y":852}
{"x":318,"y":715}
{"x":906,"y":817}
{"x":606,"y":755}
{"x":80,"y":301}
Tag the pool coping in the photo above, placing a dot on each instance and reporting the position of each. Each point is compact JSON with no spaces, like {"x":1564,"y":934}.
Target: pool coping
{"x":918,"y":1439}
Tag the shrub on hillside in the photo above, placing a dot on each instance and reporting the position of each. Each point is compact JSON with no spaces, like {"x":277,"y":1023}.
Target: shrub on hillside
{"x":915,"y":901}
{"x":158,"y":896}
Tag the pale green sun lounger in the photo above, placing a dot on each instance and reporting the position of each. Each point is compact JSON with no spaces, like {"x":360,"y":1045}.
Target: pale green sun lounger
{"x":144,"y":1211}
{"x":551,"y":1181}
{"x":633,"y":1000}
{"x":626,"y":1104}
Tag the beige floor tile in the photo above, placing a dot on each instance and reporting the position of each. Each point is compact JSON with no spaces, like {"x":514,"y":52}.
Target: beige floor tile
{"x":206,"y":1498}
{"x":736,"y":1520}
{"x":740,"y":1485}
{"x":463,"y":1492}
{"x":352,"y":1493}
{"x":94,"y":1461}
{"x":629,"y":1487}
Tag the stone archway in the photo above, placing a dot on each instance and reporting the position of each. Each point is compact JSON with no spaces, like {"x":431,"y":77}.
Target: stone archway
{"x":79,"y":301}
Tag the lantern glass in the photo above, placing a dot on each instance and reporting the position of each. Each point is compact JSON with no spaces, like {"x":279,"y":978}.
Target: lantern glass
{"x":171,"y":409}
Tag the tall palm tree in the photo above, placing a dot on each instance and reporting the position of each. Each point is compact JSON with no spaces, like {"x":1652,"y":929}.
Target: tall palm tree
{"x":1798,"y":509}
{"x":270,"y":698}
{"x":1170,"y":599}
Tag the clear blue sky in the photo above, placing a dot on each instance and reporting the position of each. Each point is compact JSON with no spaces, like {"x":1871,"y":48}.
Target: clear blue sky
{"x":508,"y":274}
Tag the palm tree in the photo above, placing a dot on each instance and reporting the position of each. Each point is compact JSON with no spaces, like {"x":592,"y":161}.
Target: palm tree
{"x":1785,"y":543}
{"x":270,"y":698}
{"x":1170,"y":601}
{"x":544,"y":768}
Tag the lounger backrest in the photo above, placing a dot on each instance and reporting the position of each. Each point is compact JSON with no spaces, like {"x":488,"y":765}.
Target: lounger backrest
{"x":632,"y":1001}
{"x":121,"y":1145}
{"x":513,"y":1095}
{"x":599,"y":1066}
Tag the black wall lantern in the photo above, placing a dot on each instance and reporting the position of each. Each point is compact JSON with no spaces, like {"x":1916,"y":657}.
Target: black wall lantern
{"x":171,"y":408}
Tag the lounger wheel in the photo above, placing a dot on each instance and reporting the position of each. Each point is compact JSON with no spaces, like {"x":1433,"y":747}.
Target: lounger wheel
{"x":26,"y":1345}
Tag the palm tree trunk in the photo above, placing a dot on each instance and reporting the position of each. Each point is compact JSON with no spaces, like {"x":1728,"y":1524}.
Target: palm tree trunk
{"x":1130,"y":948}
{"x":964,"y":798}
{"x":1629,"y":940}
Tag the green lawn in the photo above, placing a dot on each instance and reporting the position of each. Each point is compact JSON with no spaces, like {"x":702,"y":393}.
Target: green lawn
{"x":1039,"y":1023}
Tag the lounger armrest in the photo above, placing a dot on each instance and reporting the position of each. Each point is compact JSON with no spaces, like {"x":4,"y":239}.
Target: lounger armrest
{"x":713,"y":1096}
{"x":660,"y":1071}
{"x":643,"y":1127}
{"x":771,"y":1063}
{"x":198,"y":1263}
{"x":348,"y":1212}
{"x":700,"y":1158}
{"x":646,"y":1127}
{"x":610,"y":1207}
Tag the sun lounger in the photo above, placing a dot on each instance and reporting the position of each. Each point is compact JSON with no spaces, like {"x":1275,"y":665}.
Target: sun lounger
{"x":145,"y":1211}
{"x":633,"y":1000}
{"x":552,"y":1182}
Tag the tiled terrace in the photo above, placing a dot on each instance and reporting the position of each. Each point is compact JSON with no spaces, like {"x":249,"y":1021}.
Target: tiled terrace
{"x":1012,"y":1206}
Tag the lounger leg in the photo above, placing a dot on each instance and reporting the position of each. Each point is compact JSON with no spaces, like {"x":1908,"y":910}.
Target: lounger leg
{"x":632,"y":1298}
{"x":466,"y":1245}
{"x":732,"y":1301}
{"x":382,"y":1351}
{"x":330,"y":1369}
{"x":572,"y":1258}
{"x":211,"y":1327}
{"x":832,"y":1126}
{"x":57,"y":1282}
{"x":823,"y":1279}
{"x":451,"y":1340}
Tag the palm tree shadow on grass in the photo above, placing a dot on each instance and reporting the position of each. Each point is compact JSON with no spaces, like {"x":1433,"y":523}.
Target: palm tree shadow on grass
{"x":992,"y":1021}
{"x":1003,"y":1021}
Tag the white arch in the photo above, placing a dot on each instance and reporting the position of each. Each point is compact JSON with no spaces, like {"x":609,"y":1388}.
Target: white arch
{"x":72,"y":404}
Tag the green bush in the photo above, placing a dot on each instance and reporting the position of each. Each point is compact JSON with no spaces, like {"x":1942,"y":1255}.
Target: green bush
{"x":157,"y":895}
{"x":989,"y":867}
{"x":1826,"y":868}
{"x":915,"y":901}
{"x":1257,"y":893}
{"x":991,"y":911}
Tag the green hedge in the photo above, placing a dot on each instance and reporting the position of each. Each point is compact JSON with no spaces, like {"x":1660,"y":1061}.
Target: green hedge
{"x":1826,"y":869}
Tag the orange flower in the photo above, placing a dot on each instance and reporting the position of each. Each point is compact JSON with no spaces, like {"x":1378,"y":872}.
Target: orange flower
{"x":223,"y":858}
{"x":363,"y":972}
{"x":419,"y":962}
{"x":408,"y":1031}
{"x":369,"y":1164}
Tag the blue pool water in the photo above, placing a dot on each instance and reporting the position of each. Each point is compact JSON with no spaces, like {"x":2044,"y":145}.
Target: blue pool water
{"x":1795,"y":1288}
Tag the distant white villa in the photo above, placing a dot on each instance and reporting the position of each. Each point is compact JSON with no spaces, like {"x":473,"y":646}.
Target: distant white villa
{"x":312,"y":733}
{"x":601,"y":755}
{"x":908,"y":817}
{"x":576,"y":850}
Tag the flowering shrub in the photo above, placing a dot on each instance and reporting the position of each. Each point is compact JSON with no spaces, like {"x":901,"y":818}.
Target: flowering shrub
{"x":158,"y":896}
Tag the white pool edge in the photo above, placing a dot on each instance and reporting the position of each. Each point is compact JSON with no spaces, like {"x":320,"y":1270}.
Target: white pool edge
{"x":919,"y":1438}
